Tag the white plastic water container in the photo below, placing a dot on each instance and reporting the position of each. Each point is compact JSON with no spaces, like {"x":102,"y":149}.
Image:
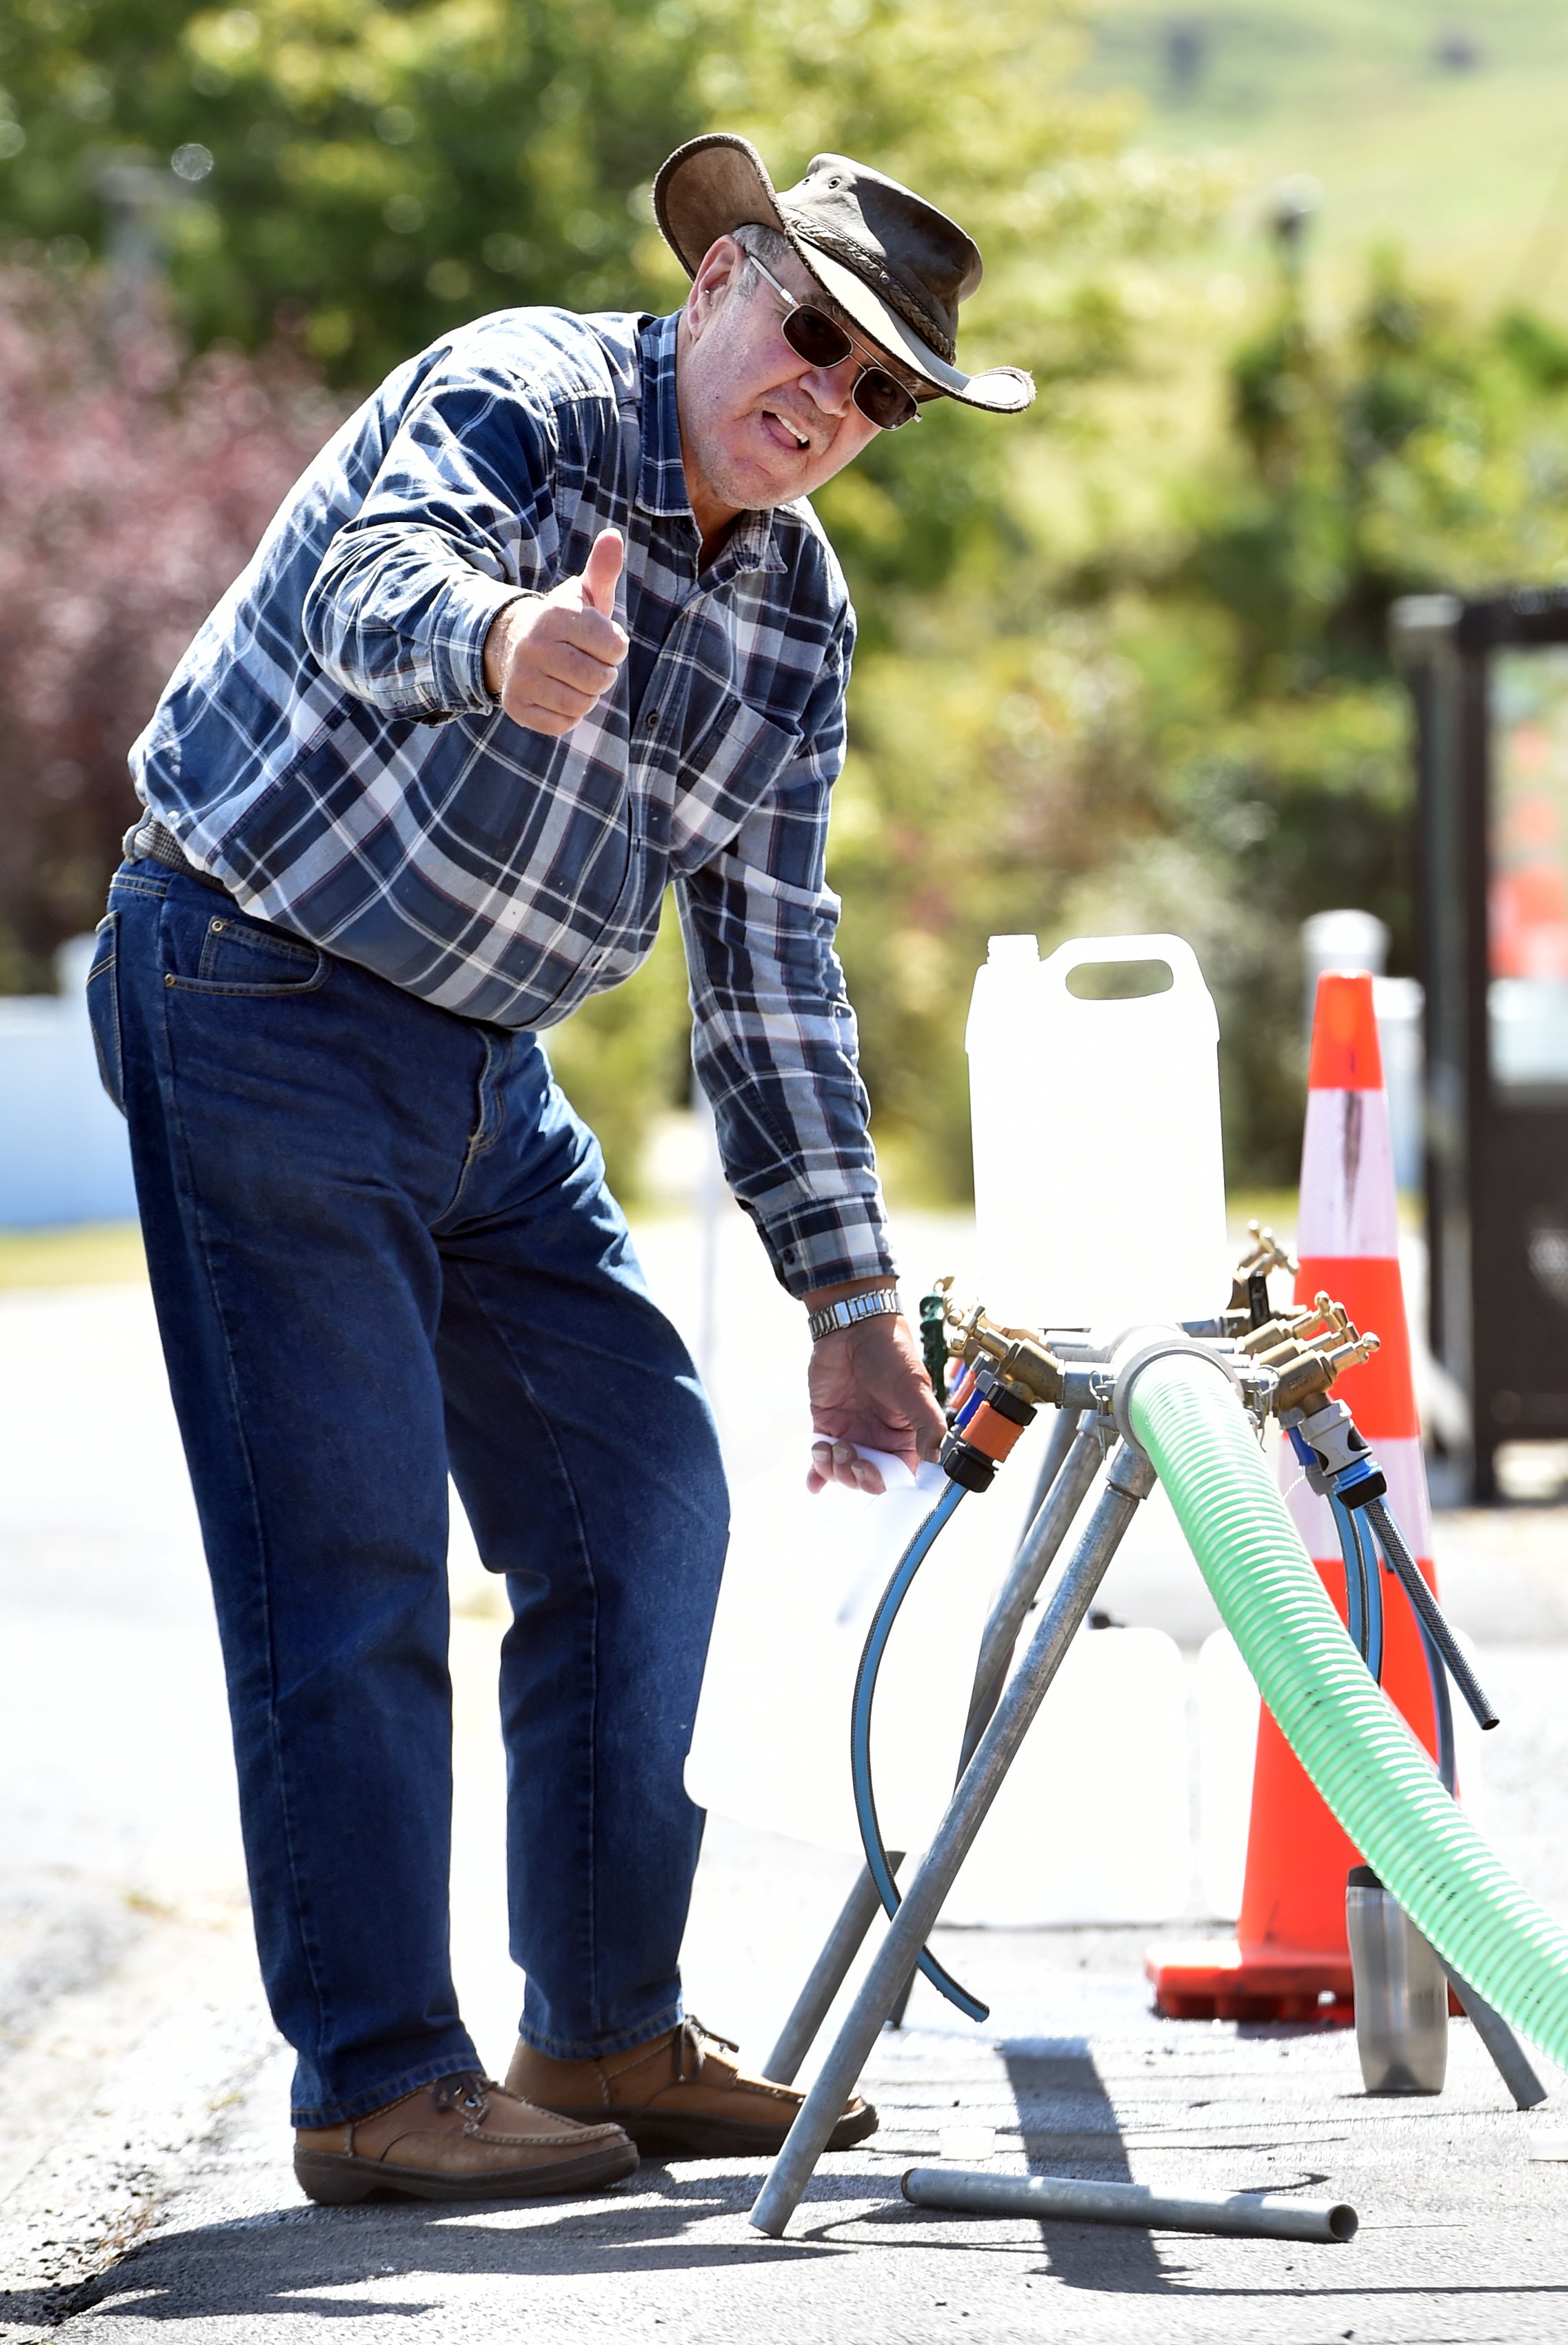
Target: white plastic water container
{"x":802,"y":1581}
{"x":1227,"y":1748}
{"x":1092,"y":1822}
{"x":1100,"y":1183}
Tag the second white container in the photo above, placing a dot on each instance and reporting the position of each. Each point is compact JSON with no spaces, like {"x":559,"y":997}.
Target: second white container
{"x":1099,"y":1184}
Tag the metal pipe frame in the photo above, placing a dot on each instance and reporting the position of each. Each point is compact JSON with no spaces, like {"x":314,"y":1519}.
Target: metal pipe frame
{"x":1243,"y":2215}
{"x":1056,"y":1509}
{"x":1509,"y":2056}
{"x":827,"y":1975}
{"x":1069,"y":1467}
{"x":1070,"y":1463}
{"x":1130,"y":1480}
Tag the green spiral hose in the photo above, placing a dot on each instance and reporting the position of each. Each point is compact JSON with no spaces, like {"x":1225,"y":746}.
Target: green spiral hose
{"x":1358,"y":1751}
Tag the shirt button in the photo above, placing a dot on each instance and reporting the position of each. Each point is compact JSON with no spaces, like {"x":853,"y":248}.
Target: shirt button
{"x":650,"y":719}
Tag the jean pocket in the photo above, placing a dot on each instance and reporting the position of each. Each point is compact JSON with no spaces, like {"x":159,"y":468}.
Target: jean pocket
{"x":104,"y":1008}
{"x":246,"y":957}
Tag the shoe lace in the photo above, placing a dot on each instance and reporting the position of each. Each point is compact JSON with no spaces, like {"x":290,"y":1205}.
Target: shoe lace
{"x":467,"y":2088}
{"x":692,"y":2040}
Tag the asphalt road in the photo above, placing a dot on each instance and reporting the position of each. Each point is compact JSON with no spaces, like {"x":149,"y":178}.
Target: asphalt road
{"x":144,"y":2171}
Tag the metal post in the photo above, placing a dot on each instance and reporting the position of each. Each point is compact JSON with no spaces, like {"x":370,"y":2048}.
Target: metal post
{"x":1508,"y":2054}
{"x":1063,"y":1434}
{"x":1063,"y":1486}
{"x":1049,"y":1526}
{"x":1071,"y":1462}
{"x":828,"y":1973}
{"x":1242,"y":2215}
{"x":1130,"y":1479}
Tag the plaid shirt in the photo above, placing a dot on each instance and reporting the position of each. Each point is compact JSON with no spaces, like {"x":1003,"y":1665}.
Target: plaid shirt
{"x":328,"y":749}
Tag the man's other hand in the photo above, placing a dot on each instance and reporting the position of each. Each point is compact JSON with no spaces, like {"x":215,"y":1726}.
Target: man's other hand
{"x":869,"y":1387}
{"x":551,"y":656}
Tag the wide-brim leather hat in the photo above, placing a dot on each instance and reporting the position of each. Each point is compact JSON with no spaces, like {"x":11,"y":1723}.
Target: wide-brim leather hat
{"x":893,"y":262}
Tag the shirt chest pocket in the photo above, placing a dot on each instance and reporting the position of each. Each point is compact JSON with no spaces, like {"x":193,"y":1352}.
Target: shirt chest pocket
{"x":726,"y":772}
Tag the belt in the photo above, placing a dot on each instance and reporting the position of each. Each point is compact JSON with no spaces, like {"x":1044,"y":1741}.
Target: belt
{"x":154,"y":839}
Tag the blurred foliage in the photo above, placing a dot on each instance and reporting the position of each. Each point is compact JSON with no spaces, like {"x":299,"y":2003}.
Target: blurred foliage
{"x":133,"y":486}
{"x":1193,"y":726}
{"x":1112,"y":674}
{"x":625,"y":1056}
{"x":380,"y":173}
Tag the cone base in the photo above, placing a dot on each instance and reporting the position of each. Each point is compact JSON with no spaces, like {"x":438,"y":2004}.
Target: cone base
{"x":1218,"y":1978}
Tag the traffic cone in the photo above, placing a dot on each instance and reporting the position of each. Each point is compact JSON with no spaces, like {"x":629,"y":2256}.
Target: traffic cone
{"x":1290,"y":1958}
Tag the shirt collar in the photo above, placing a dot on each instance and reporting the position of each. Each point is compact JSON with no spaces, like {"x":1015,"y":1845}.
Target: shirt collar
{"x":661,"y":477}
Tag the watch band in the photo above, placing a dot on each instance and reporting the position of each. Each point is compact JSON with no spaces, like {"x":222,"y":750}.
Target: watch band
{"x":881,"y":1303}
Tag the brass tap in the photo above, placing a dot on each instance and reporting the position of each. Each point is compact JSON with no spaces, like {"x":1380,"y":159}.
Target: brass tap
{"x":1020,"y":1359}
{"x":1265,"y":1255}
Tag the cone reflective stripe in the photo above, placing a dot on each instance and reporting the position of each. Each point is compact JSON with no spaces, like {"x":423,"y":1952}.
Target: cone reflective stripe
{"x":1290,"y":1958}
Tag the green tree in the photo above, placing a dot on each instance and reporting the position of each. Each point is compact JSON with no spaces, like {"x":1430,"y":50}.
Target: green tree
{"x":373,"y":175}
{"x":1415,"y":450}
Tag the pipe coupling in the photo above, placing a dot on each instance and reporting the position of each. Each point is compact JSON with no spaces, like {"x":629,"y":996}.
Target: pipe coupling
{"x":1138,"y":1347}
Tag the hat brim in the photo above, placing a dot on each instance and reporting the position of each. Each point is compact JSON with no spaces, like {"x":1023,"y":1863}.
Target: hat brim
{"x":712,"y":186}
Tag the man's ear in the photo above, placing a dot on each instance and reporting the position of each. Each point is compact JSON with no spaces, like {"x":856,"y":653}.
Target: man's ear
{"x":716,"y":279}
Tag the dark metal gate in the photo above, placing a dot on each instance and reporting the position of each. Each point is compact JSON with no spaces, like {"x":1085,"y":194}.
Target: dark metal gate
{"x":1490,"y":684}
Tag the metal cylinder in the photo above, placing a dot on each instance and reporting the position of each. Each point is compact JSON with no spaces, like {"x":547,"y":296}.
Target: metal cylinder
{"x":1071,"y":1462}
{"x":1402,"y":1991}
{"x":1508,"y":2054}
{"x":1245,"y":2215}
{"x":828,"y":1973}
{"x":1130,"y":1480}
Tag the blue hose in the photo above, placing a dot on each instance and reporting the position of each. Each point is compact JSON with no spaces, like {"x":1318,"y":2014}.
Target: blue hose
{"x":1372,"y":1579}
{"x":1357,"y":1599}
{"x":881,"y":1872}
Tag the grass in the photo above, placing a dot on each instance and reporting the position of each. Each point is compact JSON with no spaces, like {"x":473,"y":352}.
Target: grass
{"x":89,"y":1253}
{"x":1465,"y":170}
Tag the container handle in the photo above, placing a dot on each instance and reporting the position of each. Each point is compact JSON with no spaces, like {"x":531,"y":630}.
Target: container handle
{"x":1186,"y":976}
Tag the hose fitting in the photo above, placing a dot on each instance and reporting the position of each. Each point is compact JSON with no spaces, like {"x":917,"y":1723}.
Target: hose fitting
{"x":985,"y":1436}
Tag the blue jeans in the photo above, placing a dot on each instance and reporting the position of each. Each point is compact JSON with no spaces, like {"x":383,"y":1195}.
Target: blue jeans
{"x":381,"y":1248}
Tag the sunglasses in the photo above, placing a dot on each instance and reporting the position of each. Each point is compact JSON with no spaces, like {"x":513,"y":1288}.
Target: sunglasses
{"x":822,"y":341}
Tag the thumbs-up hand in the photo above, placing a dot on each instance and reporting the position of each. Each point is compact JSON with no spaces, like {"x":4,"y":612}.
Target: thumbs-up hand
{"x":549,"y":658}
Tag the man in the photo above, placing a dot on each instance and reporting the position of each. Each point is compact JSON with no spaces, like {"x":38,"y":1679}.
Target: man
{"x":545,"y":627}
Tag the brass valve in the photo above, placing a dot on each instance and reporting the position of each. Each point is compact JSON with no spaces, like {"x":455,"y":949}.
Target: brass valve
{"x":1286,"y":1326}
{"x":1249,"y":1283}
{"x":1019,"y":1358}
{"x":1322,"y":1343}
{"x":1265,"y":1254}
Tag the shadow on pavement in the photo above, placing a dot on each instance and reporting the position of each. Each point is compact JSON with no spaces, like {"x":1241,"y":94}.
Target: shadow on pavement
{"x":1069,"y":2125}
{"x":1057,"y":2089}
{"x":266,"y":2263}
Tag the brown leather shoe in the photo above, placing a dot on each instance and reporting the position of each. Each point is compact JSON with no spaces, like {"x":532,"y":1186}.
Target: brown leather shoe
{"x":461,"y":2137}
{"x":679,"y":2097}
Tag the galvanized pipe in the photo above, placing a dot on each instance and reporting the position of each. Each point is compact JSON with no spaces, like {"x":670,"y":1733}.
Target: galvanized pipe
{"x":828,"y":1973}
{"x":1130,"y":1479}
{"x":1508,"y":2054}
{"x":1063,"y":1432}
{"x":1068,"y":1467}
{"x":1070,"y":1463}
{"x":1049,"y":1526}
{"x":1245,"y":2215}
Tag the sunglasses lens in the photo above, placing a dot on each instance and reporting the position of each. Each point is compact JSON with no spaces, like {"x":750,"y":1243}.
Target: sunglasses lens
{"x":885,"y":402}
{"x":821,"y":343}
{"x":815,"y":338}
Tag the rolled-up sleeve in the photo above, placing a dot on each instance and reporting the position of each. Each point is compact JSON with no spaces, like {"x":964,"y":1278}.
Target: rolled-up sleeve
{"x":775,"y":1041}
{"x":457,"y":524}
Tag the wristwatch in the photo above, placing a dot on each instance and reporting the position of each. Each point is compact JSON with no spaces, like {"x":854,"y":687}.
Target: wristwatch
{"x":881,"y":1303}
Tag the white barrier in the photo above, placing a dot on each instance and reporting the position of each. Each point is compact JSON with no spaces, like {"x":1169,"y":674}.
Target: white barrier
{"x":63,"y":1153}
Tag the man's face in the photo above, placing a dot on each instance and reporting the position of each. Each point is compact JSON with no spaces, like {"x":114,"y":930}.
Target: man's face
{"x":758,"y":425}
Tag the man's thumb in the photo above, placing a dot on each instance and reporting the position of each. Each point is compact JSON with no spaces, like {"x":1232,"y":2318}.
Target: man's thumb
{"x":603,"y":569}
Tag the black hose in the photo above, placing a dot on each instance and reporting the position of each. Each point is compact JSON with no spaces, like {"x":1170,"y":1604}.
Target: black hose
{"x":1428,"y":1613}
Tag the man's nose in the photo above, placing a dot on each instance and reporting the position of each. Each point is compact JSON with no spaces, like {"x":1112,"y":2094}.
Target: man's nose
{"x":832,"y":388}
